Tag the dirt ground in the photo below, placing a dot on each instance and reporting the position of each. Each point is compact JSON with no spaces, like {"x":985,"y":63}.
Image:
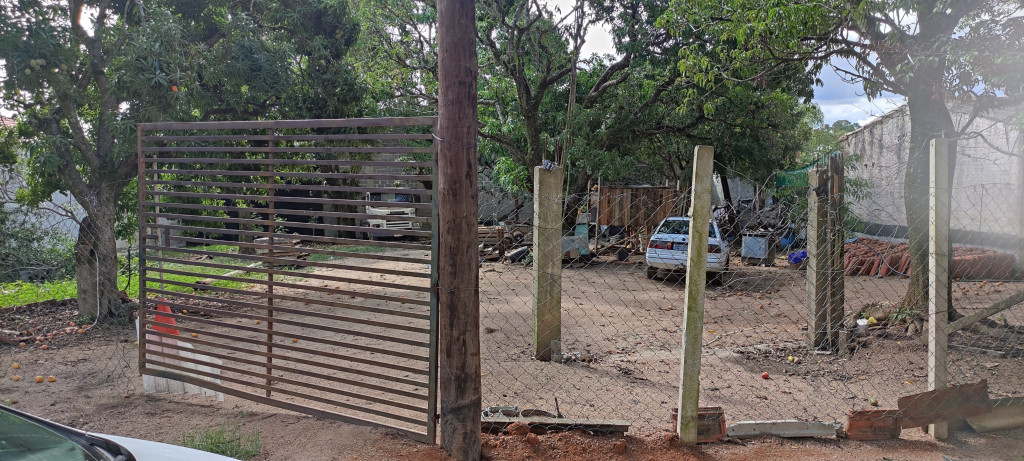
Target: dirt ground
{"x":620,"y":339}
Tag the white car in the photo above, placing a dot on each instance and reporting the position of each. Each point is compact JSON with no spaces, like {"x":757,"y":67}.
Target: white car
{"x":667,"y":248}
{"x":24,"y":436}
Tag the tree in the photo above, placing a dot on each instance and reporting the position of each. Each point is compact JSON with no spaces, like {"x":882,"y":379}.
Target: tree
{"x":631,"y":111}
{"x":80,"y":75}
{"x":933,"y":52}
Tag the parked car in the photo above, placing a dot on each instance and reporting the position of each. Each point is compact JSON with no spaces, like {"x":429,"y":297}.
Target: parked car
{"x":24,"y":436}
{"x":667,"y":248}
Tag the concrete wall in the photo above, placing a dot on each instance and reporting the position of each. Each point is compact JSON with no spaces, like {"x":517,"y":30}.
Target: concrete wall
{"x":987,"y":197}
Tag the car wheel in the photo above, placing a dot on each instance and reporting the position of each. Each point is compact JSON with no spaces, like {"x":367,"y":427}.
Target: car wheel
{"x":652,"y":272}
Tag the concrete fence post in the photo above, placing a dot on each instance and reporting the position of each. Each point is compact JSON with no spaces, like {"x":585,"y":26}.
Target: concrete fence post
{"x":938,"y":273}
{"x":547,"y":263}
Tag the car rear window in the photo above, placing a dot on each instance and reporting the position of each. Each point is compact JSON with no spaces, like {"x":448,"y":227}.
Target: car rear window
{"x":683,"y":227}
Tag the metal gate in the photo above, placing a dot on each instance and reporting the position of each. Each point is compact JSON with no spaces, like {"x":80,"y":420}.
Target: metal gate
{"x":254,"y":281}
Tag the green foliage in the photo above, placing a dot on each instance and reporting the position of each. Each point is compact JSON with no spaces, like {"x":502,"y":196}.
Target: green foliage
{"x":31,"y":249}
{"x":225,"y":439}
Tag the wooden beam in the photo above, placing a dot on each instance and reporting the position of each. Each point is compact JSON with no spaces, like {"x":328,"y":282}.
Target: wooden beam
{"x":458,"y":286}
{"x":696,"y":277}
{"x":611,"y":426}
{"x":938,"y":274}
{"x":991,"y":310}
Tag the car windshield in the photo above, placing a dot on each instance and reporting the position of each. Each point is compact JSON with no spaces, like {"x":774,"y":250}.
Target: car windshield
{"x":21,"y":438}
{"x":682,"y":226}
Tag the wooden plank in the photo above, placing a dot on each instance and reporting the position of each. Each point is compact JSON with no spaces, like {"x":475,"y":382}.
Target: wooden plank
{"x":282,"y":186}
{"x":304,"y":395}
{"x":278,"y":367}
{"x":374,"y":270}
{"x":938,"y":274}
{"x":943,"y":405}
{"x":693,"y":307}
{"x":292,"y":137}
{"x":297,"y":225}
{"x":285,"y":161}
{"x":320,"y":239}
{"x":319,"y":363}
{"x":1007,"y":413}
{"x":287,"y":212}
{"x":261,"y":173}
{"x":188,"y":328}
{"x":297,"y":150}
{"x":291,"y":124}
{"x":317,"y":412}
{"x":989,"y":311}
{"x":494,"y":424}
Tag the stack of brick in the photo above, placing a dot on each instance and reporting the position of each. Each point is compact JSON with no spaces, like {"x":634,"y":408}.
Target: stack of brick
{"x":881,"y":259}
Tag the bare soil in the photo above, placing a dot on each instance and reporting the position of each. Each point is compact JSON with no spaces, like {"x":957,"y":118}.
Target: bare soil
{"x":620,"y":335}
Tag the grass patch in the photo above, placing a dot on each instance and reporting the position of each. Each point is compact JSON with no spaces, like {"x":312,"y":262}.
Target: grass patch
{"x":21,"y":293}
{"x":225,"y":439}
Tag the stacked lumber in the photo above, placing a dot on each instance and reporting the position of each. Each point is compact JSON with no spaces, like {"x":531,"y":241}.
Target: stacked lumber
{"x":285,"y":247}
{"x":492,"y":241}
{"x":881,"y":259}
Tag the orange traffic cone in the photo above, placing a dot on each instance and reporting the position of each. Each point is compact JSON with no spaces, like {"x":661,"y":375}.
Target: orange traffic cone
{"x":164,"y":319}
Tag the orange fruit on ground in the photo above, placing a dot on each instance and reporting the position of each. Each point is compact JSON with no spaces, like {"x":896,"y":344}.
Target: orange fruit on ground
{"x":258,"y":322}
{"x":81,"y":331}
{"x":15,"y":365}
{"x":16,"y":378}
{"x":295,"y":340}
{"x":44,"y":347}
{"x":39,"y":379}
{"x":51,"y":379}
{"x":21,"y":344}
{"x":195,"y":335}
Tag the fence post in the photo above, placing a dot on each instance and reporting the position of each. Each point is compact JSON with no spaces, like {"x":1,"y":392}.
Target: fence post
{"x":696,"y":277}
{"x":1020,"y":217}
{"x":837,"y":235}
{"x":547,"y":262}
{"x":938,"y":273}
{"x":818,"y":259}
{"x":458,"y":282}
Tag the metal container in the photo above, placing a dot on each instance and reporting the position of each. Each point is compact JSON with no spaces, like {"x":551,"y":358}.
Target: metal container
{"x":759,"y":248}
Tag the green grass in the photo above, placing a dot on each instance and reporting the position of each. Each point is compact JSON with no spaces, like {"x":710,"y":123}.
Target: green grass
{"x":21,"y":293}
{"x":225,"y":439}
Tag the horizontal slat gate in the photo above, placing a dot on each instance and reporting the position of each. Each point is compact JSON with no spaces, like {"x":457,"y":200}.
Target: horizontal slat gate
{"x":257,"y":279}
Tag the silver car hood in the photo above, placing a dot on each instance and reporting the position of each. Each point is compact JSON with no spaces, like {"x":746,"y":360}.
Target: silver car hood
{"x":144,"y":450}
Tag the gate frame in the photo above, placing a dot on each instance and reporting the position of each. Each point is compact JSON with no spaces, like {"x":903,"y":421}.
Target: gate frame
{"x":273,"y":128}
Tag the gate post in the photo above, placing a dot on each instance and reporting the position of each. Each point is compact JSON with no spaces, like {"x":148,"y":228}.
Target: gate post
{"x":696,"y":278}
{"x":938,"y":272}
{"x":547,"y":263}
{"x":458,"y":288}
{"x":836,"y":236}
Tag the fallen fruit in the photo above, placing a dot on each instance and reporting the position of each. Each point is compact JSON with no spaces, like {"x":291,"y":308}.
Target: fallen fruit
{"x":21,"y":344}
{"x":873,"y":402}
{"x":39,"y":379}
{"x":16,"y":378}
{"x":764,"y":375}
{"x":44,"y":347}
{"x":195,"y":335}
{"x":15,"y":365}
{"x":295,"y":340}
{"x":81,"y":331}
{"x":51,"y":379}
{"x":790,"y":358}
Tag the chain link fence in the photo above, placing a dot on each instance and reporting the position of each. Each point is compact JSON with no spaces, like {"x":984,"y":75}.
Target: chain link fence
{"x":618,"y":324}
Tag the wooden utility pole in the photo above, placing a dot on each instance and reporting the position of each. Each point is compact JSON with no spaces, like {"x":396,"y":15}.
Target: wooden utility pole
{"x":458,"y":266}
{"x":938,"y":273}
{"x":696,"y":278}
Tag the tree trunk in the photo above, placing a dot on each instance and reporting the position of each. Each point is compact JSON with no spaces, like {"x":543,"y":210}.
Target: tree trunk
{"x":96,"y":263}
{"x":930,"y":118}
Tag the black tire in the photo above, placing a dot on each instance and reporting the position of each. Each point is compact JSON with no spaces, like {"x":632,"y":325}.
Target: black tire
{"x":652,"y":272}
